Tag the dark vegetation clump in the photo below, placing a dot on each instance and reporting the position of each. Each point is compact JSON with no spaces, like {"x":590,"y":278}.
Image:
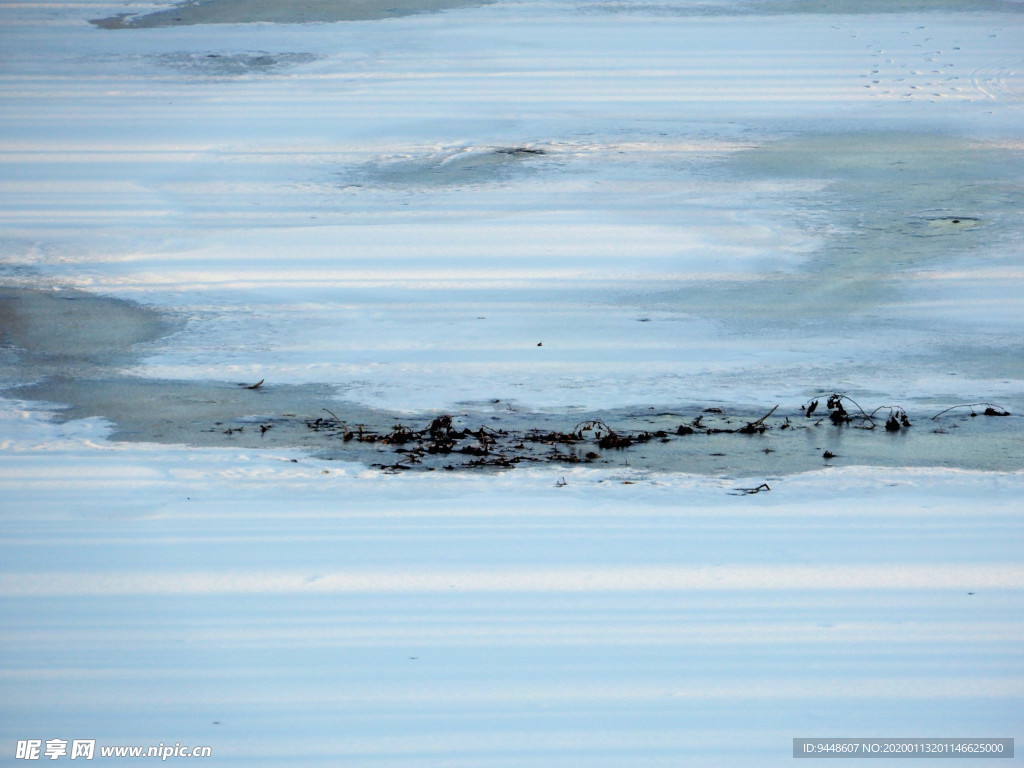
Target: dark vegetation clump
{"x":860,"y":419}
{"x":443,"y":443}
{"x":520,"y":151}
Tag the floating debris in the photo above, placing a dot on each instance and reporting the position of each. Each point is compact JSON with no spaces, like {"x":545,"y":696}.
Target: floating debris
{"x":750,"y":491}
{"x":990,"y":410}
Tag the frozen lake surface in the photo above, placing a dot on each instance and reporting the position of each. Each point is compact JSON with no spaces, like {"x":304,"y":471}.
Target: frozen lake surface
{"x":527,"y":216}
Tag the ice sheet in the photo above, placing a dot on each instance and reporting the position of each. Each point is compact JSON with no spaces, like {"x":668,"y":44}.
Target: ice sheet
{"x":745,"y":203}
